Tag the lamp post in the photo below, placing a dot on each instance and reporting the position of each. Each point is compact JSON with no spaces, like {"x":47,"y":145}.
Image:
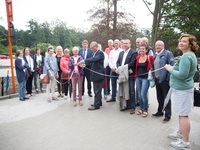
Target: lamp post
{"x":11,"y":33}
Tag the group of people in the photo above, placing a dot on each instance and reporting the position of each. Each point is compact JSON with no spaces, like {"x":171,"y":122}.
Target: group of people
{"x":28,"y":68}
{"x":126,"y":69}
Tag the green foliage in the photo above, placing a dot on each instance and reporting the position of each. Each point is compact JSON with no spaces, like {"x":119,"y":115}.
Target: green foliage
{"x":42,"y":46}
{"x":3,"y":49}
{"x":42,"y":35}
{"x":3,"y":36}
{"x":179,"y":17}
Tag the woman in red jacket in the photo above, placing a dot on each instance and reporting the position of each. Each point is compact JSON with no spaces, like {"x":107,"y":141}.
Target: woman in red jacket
{"x":65,"y":75}
{"x":143,"y":66}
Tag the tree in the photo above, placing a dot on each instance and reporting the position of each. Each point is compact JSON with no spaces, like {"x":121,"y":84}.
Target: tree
{"x":157,"y":17}
{"x":45,"y":26}
{"x":172,"y":18}
{"x":3,"y":36}
{"x":110,"y":23}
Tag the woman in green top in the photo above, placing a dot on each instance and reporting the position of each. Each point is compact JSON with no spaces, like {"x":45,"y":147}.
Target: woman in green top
{"x":182,"y":85}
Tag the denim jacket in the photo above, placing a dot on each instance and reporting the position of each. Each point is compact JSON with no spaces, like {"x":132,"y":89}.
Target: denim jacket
{"x":166,"y":57}
{"x":50,"y":62}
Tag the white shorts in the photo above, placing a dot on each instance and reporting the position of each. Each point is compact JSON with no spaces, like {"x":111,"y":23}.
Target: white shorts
{"x":182,"y":101}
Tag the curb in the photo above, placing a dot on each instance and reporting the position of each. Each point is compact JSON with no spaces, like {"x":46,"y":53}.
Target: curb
{"x":10,"y":96}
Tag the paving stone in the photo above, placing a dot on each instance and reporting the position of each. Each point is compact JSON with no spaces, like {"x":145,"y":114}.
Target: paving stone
{"x":38,"y":125}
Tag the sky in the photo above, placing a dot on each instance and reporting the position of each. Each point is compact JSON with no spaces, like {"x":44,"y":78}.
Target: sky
{"x":73,"y":12}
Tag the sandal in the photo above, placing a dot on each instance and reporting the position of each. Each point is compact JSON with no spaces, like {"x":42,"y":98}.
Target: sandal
{"x":144,"y":114}
{"x":48,"y":100}
{"x":139,"y":112}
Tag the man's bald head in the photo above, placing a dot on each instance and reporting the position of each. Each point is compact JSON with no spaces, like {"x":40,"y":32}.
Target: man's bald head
{"x":160,"y":45}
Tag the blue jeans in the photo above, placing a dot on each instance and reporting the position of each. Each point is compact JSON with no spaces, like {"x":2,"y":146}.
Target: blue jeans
{"x":114,"y":84}
{"x":35,"y":76}
{"x":142,"y":86}
{"x":22,"y":89}
{"x":105,"y":91}
{"x":131,"y":101}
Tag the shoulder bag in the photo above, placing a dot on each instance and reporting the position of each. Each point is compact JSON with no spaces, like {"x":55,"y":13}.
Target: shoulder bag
{"x":197,"y":75}
{"x":44,"y":79}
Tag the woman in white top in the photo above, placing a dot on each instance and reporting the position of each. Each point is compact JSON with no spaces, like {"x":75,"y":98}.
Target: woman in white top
{"x":31,"y":69}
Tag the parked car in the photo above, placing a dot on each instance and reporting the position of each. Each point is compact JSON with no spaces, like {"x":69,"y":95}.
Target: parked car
{"x":4,"y":57}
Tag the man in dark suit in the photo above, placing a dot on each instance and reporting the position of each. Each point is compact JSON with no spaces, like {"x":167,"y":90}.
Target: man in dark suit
{"x":86,"y":53}
{"x":96,"y":75}
{"x":128,"y":56}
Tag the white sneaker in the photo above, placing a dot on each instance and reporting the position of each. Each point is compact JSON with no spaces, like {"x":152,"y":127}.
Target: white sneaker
{"x":65,"y":97}
{"x":180,"y":144}
{"x":175,"y":136}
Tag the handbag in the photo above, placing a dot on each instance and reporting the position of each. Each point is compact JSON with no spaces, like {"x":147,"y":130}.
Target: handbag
{"x":39,"y":71}
{"x":44,"y":79}
{"x":197,"y":75}
{"x":29,"y":73}
{"x":65,"y":76}
{"x":197,"y":97}
{"x":150,"y":76}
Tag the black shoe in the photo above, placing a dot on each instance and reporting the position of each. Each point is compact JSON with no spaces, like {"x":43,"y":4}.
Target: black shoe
{"x":137,"y":104}
{"x":157,"y":114}
{"x":93,"y":105}
{"x":22,"y":99}
{"x":26,"y":97}
{"x":90,"y":95}
{"x":165,"y":120}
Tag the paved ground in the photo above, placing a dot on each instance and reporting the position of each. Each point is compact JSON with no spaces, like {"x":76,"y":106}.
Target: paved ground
{"x":38,"y":125}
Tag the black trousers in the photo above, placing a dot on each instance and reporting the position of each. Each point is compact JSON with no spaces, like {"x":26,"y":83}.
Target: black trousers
{"x":161,"y":91}
{"x":108,"y":70}
{"x":60,"y":86}
{"x":97,"y":93}
{"x":87,"y":76}
{"x":29,"y":84}
{"x":65,"y":85}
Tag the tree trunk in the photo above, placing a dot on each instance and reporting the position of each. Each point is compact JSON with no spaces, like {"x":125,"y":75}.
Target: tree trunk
{"x":157,"y":15}
{"x":115,"y":15}
{"x":115,"y":19}
{"x":108,"y":17}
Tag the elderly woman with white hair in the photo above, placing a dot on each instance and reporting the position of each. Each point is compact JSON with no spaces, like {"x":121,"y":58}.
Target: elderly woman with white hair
{"x":59,"y":55}
{"x":77,"y":75}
